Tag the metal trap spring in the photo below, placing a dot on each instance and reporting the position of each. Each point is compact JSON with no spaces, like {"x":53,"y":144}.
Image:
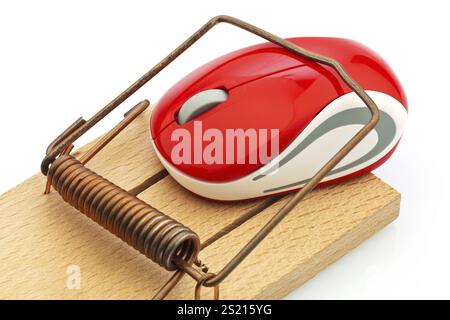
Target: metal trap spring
{"x":156,"y":235}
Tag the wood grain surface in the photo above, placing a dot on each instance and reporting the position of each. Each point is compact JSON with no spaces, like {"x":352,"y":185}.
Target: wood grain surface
{"x":42,"y":237}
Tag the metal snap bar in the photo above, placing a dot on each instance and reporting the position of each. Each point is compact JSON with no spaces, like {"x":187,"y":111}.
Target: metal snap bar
{"x":198,"y":287}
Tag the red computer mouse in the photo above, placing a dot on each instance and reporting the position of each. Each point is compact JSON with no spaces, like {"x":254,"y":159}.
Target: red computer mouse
{"x":261,"y":121}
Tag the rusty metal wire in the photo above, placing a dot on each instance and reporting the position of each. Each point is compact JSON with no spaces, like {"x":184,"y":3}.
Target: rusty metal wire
{"x":151,"y":232}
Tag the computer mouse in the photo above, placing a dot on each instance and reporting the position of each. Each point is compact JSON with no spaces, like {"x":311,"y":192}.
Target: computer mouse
{"x":261,"y":121}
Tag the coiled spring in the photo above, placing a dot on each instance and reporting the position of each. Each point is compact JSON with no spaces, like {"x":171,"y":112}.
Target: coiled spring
{"x":159,"y":237}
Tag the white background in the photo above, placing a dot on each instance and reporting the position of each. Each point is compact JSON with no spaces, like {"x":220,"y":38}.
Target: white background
{"x":60,"y":60}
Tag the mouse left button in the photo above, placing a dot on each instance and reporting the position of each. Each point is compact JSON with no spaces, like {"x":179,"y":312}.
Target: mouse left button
{"x":200,"y":103}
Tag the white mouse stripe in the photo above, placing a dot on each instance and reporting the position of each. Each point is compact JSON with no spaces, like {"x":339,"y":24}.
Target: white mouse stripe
{"x":360,"y":116}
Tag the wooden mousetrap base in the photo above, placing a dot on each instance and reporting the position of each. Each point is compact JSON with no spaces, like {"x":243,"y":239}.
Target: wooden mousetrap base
{"x":41,"y":236}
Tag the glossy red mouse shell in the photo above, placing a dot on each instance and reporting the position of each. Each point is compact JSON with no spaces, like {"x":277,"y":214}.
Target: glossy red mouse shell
{"x":269,"y":87}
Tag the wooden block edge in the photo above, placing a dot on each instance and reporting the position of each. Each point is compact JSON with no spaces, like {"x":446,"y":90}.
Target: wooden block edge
{"x":363,"y":231}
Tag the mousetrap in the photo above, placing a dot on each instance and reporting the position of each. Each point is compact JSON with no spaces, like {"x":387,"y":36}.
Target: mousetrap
{"x":168,"y":242}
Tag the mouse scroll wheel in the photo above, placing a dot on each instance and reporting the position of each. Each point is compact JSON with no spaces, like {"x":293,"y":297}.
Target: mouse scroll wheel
{"x":200,"y":103}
